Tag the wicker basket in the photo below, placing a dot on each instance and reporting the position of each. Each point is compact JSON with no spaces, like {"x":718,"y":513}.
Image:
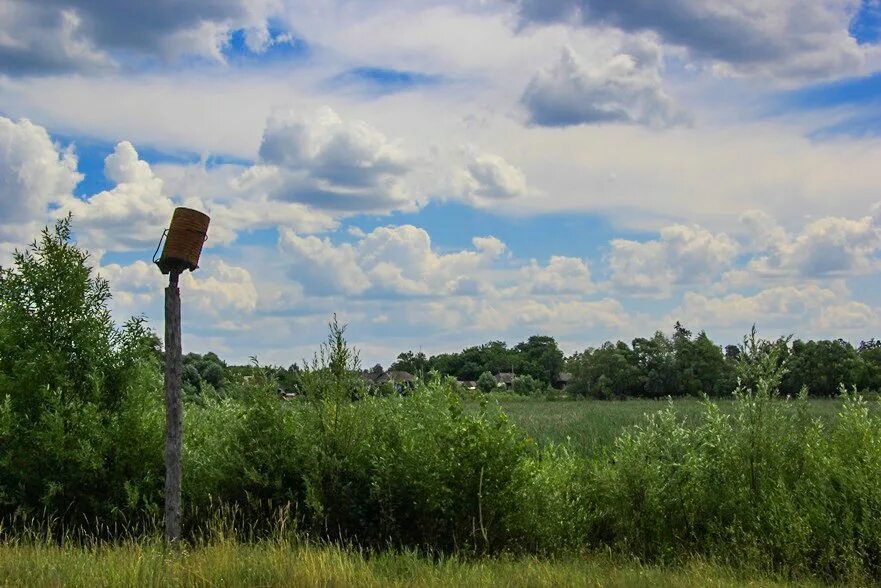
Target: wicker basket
{"x":183,"y":241}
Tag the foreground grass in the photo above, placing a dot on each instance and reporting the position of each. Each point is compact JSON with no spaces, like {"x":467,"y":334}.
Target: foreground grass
{"x":279,"y":563}
{"x":590,"y":426}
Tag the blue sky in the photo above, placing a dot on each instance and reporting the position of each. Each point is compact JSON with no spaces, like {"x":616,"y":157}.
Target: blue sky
{"x":443,"y":174}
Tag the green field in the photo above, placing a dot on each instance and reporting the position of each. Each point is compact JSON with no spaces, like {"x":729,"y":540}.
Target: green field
{"x":589,"y":426}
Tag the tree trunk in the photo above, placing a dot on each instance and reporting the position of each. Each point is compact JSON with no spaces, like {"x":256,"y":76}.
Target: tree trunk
{"x":173,"y":410}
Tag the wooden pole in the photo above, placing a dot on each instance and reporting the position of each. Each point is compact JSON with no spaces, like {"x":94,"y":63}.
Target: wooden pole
{"x":173,"y":409}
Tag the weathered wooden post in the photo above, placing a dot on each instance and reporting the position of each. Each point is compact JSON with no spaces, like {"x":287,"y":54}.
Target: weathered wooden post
{"x":183,"y":246}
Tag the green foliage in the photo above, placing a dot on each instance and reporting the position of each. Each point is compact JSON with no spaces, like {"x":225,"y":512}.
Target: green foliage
{"x":767,"y":485}
{"x":74,"y":390}
{"x":538,"y":357}
{"x":413,"y":363}
{"x":413,"y":470}
{"x":486,"y":382}
{"x":527,"y":386}
{"x":681,"y":365}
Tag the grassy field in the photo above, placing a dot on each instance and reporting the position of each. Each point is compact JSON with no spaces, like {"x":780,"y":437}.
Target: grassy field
{"x":591,"y":425}
{"x":283,"y":564}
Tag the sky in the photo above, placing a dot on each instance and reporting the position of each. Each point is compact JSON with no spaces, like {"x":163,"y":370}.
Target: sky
{"x":443,"y":174}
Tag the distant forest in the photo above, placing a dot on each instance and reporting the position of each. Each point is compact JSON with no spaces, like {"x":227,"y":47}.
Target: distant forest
{"x":678,"y":364}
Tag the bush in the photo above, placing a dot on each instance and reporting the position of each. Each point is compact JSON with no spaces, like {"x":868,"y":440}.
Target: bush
{"x":527,"y":386}
{"x":73,"y":390}
{"x":765,"y":486}
{"x":414,"y":470}
{"x":486,"y":382}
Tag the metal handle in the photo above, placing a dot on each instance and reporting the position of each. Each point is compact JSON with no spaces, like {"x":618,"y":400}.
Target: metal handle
{"x":164,"y":235}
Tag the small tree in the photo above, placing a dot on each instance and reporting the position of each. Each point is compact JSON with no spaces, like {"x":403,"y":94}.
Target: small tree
{"x":66,"y":375}
{"x":527,"y":385}
{"x":486,"y":382}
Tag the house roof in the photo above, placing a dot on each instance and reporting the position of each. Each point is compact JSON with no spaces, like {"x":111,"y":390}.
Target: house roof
{"x":369,"y":377}
{"x":505,"y":377}
{"x":564,"y":377}
{"x":396,"y":376}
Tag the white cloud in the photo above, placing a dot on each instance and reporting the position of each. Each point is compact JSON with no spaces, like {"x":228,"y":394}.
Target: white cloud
{"x":34,"y":173}
{"x":772,"y":38}
{"x":325,"y":267}
{"x":327,"y":163}
{"x":487,"y":178}
{"x":221,"y":289}
{"x":397,"y":260}
{"x":826,"y":247}
{"x":850,"y":315}
{"x":627,"y":88}
{"x":805,"y":309}
{"x":82,"y":35}
{"x":684,"y":254}
{"x":562,"y":275}
{"x":131,"y":215}
{"x":218,"y":291}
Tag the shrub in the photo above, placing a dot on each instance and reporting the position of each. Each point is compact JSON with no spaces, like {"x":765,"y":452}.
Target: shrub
{"x":765,"y":486}
{"x":68,"y":377}
{"x":527,"y":386}
{"x":486,"y":382}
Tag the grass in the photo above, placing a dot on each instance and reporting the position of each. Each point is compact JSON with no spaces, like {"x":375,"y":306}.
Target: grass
{"x":280,"y":563}
{"x":589,"y":426}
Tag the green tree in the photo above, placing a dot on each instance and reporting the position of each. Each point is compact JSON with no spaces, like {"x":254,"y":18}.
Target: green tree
{"x":413,"y":363}
{"x":56,"y":335}
{"x":540,"y":357}
{"x":610,"y":370}
{"x":870,"y":356}
{"x":656,"y":360}
{"x":486,"y":382}
{"x":70,"y":378}
{"x":822,"y":367}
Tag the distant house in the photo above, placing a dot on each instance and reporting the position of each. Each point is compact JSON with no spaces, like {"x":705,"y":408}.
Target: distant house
{"x":505,"y":379}
{"x":396,"y":377}
{"x":400,"y":380}
{"x":286,"y":395}
{"x":370,"y":378}
{"x":468,"y":384}
{"x":562,"y":380}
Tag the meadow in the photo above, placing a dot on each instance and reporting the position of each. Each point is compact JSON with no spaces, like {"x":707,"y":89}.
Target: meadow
{"x":590,"y":426}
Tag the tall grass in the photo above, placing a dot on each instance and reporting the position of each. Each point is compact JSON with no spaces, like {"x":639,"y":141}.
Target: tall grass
{"x":283,"y":563}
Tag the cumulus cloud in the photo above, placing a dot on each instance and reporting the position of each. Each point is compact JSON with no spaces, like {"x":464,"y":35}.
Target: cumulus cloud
{"x":221,"y":289}
{"x":394,"y":260}
{"x":488,"y":178}
{"x":826,"y":247}
{"x":326,"y":162}
{"x":786,"y":308}
{"x":218,"y":291}
{"x":132,"y":214}
{"x":683,"y":254}
{"x":776,"y":38}
{"x":562,"y":275}
{"x":82,"y":35}
{"x":324,"y":266}
{"x":34,"y":173}
{"x":627,"y":88}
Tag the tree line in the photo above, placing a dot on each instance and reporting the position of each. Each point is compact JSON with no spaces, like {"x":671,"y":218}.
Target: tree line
{"x":678,"y":364}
